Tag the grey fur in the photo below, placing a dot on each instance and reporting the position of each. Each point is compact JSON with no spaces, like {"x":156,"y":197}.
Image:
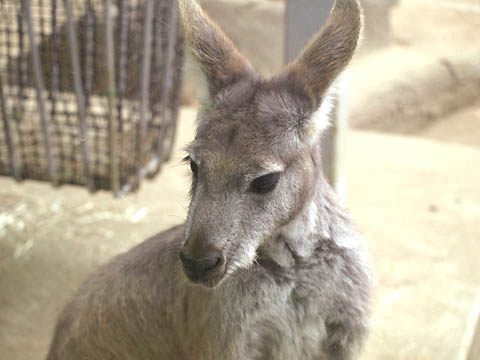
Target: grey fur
{"x":295,"y":282}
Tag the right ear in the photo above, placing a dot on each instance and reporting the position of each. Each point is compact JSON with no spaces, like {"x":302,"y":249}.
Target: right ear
{"x":219,"y":59}
{"x":329,"y":52}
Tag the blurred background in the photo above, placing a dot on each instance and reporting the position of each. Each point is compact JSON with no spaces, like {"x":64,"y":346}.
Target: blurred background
{"x":411,"y":163}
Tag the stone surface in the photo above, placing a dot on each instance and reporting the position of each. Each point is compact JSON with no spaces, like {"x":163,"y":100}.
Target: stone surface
{"x":462,"y":127}
{"x":403,"y":89}
{"x":416,"y":201}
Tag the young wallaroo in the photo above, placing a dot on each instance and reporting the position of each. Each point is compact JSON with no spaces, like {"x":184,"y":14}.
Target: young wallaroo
{"x":268,"y":264}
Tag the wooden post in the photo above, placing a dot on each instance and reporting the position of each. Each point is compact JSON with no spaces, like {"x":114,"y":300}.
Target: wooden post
{"x":303,"y":18}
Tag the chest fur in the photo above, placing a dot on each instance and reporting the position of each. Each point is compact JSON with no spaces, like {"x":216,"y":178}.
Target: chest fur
{"x":275,"y":319}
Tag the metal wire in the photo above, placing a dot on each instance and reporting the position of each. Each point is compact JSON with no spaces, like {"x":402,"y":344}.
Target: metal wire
{"x":89,"y":90}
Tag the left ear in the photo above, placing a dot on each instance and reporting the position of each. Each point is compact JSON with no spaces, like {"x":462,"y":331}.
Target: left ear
{"x":219,"y":59}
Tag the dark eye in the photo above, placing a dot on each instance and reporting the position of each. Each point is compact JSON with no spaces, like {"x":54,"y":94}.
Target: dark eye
{"x":193,"y":165}
{"x":265,"y":183}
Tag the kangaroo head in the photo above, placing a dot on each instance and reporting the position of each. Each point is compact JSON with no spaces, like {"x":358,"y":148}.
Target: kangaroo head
{"x":255,"y":158}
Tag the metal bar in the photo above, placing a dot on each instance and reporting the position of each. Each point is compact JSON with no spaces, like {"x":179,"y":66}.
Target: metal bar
{"x":123,"y":16}
{"x":54,"y":59}
{"x":54,"y":78}
{"x":8,"y":46}
{"x":77,"y":83}
{"x":144,"y":86}
{"x":124,"y":8}
{"x":14,"y":163}
{"x":177,"y":88}
{"x":167,"y":79}
{"x":111,"y":93}
{"x":19,"y":145}
{"x":21,"y":64}
{"x":52,"y":170}
{"x":89,"y":63}
{"x":160,"y":45}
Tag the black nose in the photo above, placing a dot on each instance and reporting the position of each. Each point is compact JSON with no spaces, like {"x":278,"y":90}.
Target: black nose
{"x":200,"y":268}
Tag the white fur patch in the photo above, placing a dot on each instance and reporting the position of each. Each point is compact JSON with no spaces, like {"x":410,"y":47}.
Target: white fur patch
{"x":300,"y":229}
{"x":321,"y":118}
{"x":246,"y":257}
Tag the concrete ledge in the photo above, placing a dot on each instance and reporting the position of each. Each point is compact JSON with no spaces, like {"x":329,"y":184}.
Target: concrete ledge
{"x":403,"y":90}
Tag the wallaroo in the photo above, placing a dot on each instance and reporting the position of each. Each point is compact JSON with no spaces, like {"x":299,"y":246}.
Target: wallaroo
{"x":268,"y":264}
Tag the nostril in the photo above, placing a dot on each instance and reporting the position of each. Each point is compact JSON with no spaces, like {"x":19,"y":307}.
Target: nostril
{"x":188,"y":264}
{"x":210,"y":264}
{"x":199,"y":267}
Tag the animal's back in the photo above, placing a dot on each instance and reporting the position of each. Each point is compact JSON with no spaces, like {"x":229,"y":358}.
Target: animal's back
{"x":121,"y":311}
{"x":141,"y":306}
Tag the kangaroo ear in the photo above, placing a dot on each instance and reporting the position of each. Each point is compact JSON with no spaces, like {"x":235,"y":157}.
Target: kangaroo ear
{"x":329,"y":52}
{"x":219,"y":59}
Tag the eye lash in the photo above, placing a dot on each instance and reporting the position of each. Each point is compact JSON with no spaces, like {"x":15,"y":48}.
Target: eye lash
{"x":187,"y":158}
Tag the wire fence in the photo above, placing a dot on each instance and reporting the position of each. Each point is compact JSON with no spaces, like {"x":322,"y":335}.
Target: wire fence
{"x":89,"y":90}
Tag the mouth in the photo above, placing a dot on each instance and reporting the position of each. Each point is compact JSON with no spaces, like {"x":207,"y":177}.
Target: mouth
{"x":207,"y":280}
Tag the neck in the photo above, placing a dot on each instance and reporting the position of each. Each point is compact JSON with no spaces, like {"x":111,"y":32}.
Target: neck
{"x":321,"y":219}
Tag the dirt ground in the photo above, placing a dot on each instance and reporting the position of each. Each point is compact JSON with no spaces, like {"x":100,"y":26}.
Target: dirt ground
{"x":416,"y":201}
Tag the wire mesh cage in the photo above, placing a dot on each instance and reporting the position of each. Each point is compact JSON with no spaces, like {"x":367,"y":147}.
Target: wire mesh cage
{"x":89,"y":90}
